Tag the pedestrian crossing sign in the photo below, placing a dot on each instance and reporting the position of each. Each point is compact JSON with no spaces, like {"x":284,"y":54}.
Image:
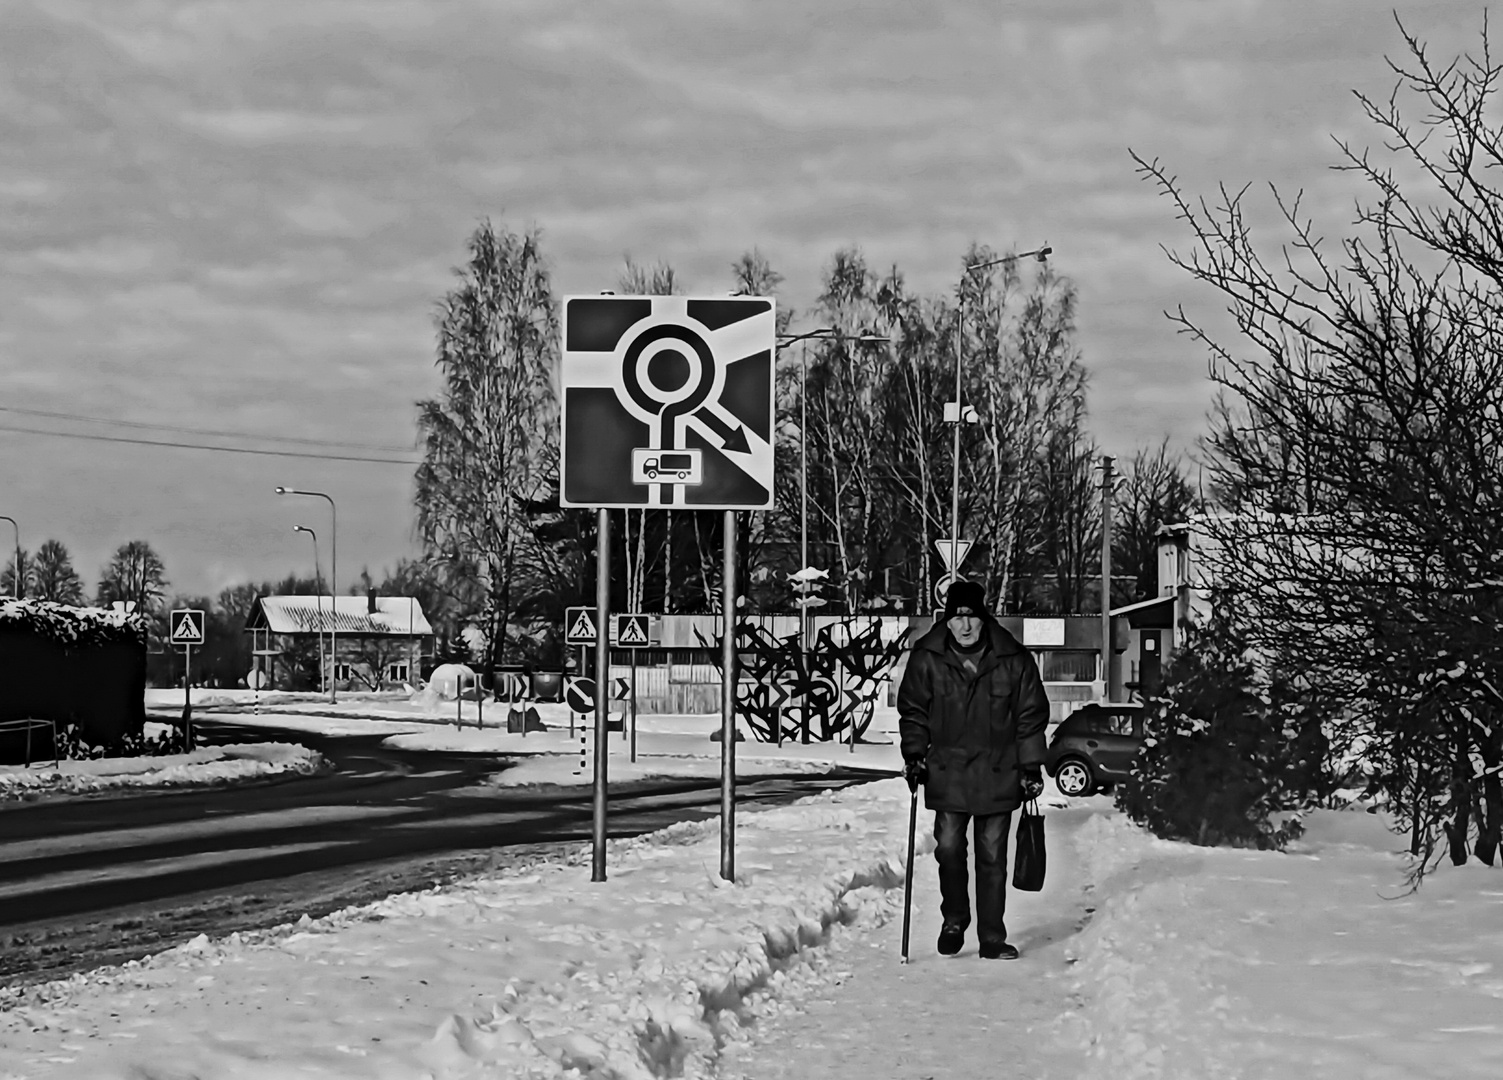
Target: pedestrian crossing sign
{"x":579,"y":626}
{"x":631,"y":631}
{"x":186,"y":627}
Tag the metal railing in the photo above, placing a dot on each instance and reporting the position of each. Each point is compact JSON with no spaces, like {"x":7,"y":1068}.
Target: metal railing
{"x":29,"y":725}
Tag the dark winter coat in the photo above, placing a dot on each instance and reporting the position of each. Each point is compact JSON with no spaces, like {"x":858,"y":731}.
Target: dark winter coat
{"x":976,"y":732}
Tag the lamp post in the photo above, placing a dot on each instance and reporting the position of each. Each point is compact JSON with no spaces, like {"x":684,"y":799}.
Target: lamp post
{"x":1041,"y":254}
{"x":823,"y":333}
{"x":333,"y":578}
{"x":20,"y":588}
{"x":318,"y":585}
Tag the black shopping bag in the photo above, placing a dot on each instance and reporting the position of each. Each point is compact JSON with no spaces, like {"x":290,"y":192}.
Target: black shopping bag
{"x":1028,"y":857}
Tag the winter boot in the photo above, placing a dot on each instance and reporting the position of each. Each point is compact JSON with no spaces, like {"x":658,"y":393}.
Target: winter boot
{"x":951,"y":938}
{"x":998,"y":950}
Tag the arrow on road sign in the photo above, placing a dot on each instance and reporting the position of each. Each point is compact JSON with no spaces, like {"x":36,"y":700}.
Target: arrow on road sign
{"x":953,"y":552}
{"x":580,"y":695}
{"x":187,"y":627}
{"x":511,"y":686}
{"x":620,"y":689}
{"x":580,"y":627}
{"x":667,"y":375}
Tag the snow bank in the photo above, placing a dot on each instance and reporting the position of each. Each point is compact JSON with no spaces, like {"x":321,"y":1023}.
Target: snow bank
{"x":206,"y":766}
{"x":643,"y":975}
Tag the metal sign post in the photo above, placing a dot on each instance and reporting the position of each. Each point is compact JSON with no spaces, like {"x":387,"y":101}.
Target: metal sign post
{"x":687,"y":385}
{"x":602,"y":669}
{"x":728,"y":702}
{"x":631,"y":634}
{"x":185,"y":627}
{"x":187,"y":699}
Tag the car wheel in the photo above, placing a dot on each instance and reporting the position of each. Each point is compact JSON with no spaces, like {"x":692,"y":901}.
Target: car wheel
{"x":652,"y":474}
{"x":1074,"y":779}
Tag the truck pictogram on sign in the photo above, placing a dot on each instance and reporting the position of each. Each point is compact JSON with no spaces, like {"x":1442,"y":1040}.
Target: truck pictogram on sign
{"x":668,"y":401}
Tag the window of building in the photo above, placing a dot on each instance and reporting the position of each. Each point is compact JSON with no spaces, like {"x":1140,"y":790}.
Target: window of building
{"x":1067,"y":665}
{"x":396,"y":672}
{"x":343,"y":672}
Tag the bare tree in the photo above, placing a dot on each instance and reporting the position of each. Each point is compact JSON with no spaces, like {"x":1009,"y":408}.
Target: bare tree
{"x":1022,"y":367}
{"x":1357,"y":450}
{"x":53,"y":576}
{"x":485,"y":438}
{"x":25,"y":575}
{"x":135,"y":573}
{"x":1155,"y":492}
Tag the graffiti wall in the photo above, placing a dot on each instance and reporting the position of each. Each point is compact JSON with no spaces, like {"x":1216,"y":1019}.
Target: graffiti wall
{"x":785,"y":694}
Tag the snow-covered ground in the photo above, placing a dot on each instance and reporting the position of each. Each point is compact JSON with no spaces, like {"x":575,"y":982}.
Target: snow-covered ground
{"x":1142,"y":958}
{"x":665,"y":745}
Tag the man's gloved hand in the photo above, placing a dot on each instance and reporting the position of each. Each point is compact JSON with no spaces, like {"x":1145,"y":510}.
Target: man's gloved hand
{"x":1033,"y":783}
{"x":916,"y":772}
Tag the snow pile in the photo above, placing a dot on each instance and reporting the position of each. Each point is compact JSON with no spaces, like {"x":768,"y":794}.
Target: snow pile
{"x":643,"y":975}
{"x":205,"y":766}
{"x":446,"y":683}
{"x":1210,"y":962}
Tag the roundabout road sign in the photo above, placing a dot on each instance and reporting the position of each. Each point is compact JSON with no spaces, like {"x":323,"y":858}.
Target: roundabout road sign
{"x":942,"y":586}
{"x":667,"y":401}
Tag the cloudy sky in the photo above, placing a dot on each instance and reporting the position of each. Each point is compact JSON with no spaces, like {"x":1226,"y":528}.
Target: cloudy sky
{"x":233,"y":219}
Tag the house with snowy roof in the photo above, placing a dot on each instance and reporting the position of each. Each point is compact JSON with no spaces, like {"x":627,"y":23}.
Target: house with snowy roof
{"x":365,"y":642}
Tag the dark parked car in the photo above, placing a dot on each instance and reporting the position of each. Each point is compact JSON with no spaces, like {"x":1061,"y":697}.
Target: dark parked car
{"x":1092,"y":748}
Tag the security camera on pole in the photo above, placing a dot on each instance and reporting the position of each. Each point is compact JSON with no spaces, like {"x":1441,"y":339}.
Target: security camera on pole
{"x":668,"y":402}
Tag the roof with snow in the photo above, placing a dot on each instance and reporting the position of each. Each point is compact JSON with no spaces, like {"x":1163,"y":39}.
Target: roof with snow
{"x":395,"y":616}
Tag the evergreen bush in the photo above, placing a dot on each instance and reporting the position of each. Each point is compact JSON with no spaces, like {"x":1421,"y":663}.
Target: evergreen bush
{"x":1228,"y":744}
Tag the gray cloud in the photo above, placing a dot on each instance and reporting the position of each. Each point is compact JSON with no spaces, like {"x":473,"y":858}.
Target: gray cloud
{"x":243,"y":213}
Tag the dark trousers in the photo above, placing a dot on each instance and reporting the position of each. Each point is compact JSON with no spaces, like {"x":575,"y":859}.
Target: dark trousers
{"x":991,"y":871}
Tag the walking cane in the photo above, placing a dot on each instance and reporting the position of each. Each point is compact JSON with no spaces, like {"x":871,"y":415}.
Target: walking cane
{"x":908,"y":877}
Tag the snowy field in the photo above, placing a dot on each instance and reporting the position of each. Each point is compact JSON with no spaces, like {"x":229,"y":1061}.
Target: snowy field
{"x":1188,"y":962}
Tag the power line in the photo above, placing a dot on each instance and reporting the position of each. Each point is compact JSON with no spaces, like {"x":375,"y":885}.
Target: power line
{"x":203,"y":431}
{"x":203,"y":446}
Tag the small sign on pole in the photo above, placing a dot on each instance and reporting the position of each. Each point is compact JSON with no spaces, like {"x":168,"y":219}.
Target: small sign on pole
{"x":952,"y":552}
{"x":185,"y":627}
{"x":579,"y":626}
{"x":631,"y":632}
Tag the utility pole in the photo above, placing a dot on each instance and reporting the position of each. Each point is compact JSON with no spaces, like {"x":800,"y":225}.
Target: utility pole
{"x":1106,"y":576}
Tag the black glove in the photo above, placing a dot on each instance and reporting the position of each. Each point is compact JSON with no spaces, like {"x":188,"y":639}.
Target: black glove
{"x":1033,"y":783}
{"x":916,"y":772}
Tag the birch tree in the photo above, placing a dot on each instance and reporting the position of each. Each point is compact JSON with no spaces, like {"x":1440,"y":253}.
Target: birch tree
{"x":485,"y":436}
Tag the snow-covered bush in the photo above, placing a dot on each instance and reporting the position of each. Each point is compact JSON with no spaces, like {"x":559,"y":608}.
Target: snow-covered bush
{"x":1227,"y":746}
{"x":73,"y":746}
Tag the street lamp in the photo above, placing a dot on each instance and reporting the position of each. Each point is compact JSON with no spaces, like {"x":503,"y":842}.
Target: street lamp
{"x":20,"y":588}
{"x":1041,"y":254}
{"x":318,"y":586}
{"x":823,"y":333}
{"x":333,"y":578}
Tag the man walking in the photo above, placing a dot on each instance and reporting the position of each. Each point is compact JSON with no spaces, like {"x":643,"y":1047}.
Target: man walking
{"x":971,"y":715}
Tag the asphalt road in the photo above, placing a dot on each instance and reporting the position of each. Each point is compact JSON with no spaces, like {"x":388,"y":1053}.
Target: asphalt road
{"x":99,"y":879}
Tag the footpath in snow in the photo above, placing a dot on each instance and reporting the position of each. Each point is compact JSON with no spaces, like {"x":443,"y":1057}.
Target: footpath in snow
{"x":1142,"y":958}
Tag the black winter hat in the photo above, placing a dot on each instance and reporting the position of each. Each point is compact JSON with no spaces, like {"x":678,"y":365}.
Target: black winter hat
{"x":966,"y":594}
